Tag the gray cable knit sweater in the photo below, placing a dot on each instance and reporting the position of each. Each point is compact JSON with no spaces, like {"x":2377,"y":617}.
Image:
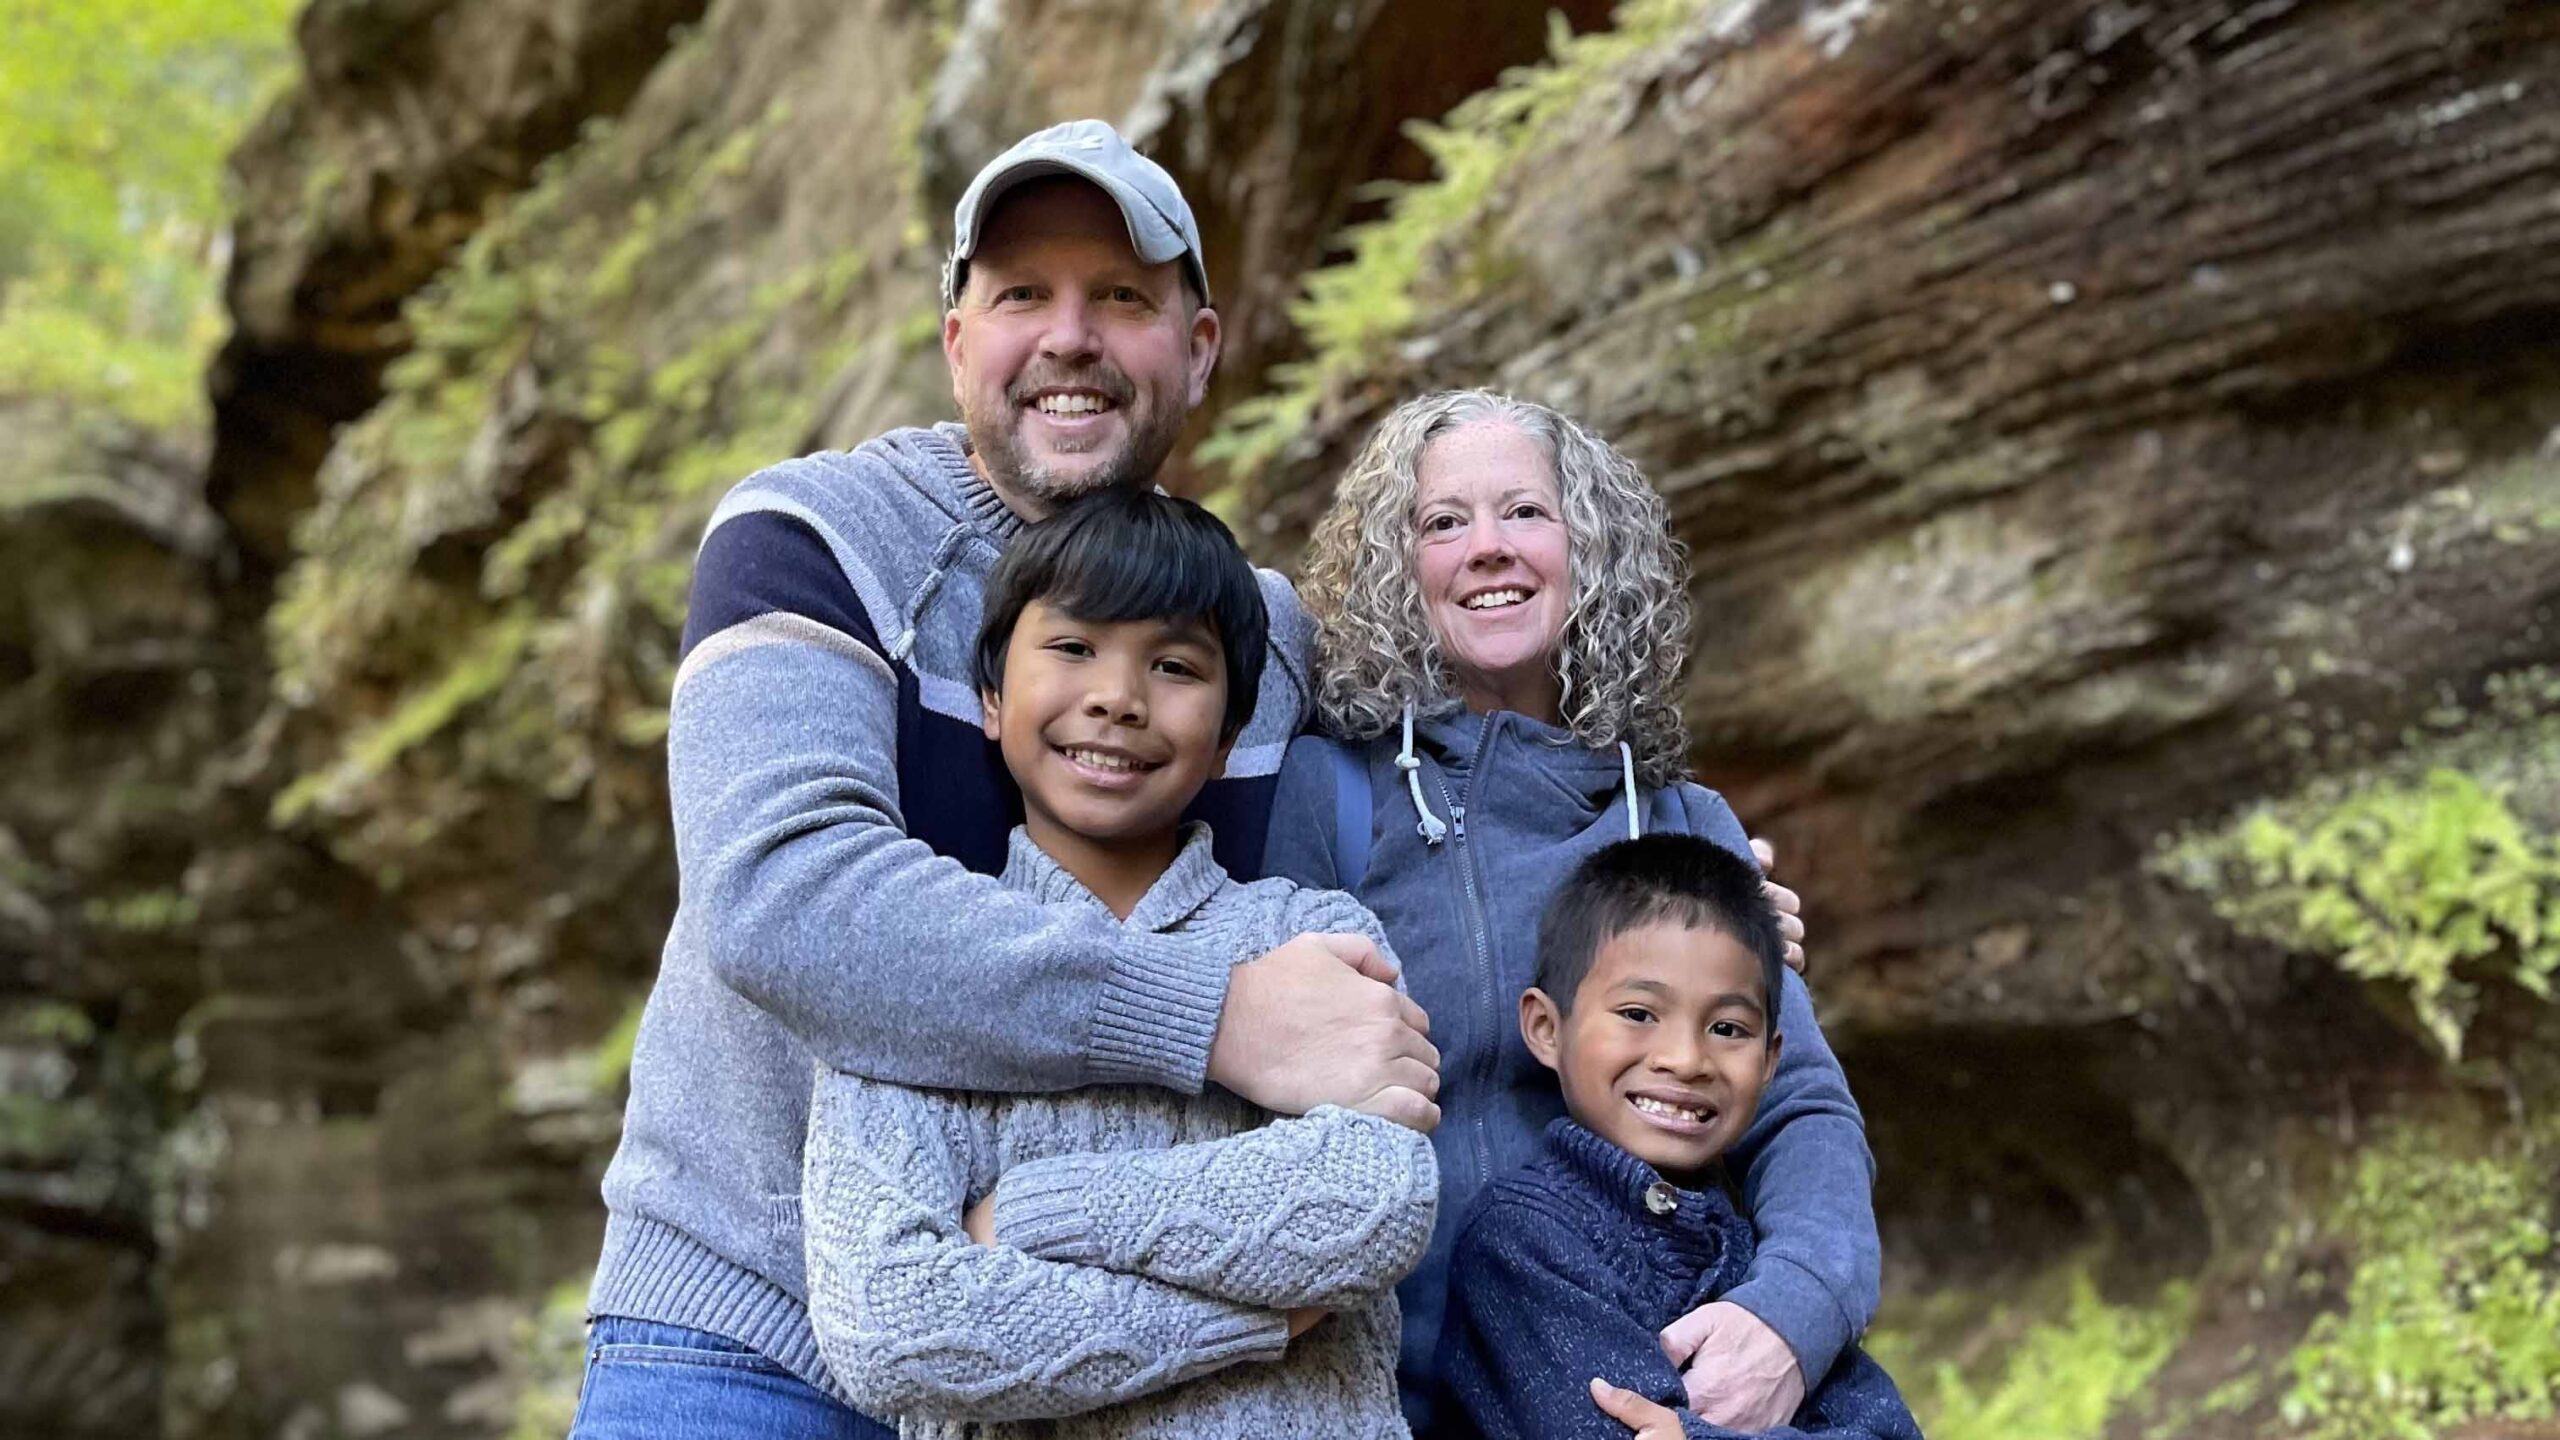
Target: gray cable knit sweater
{"x":1146,"y":1241}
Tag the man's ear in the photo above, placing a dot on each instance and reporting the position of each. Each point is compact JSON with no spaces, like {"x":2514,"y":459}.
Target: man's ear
{"x":987,"y":702}
{"x":1205,"y":339}
{"x":951,"y":355}
{"x":1540,"y":1024}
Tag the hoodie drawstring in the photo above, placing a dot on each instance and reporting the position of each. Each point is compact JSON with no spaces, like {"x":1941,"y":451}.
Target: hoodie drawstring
{"x":1433,"y":828}
{"x":1635,"y":819}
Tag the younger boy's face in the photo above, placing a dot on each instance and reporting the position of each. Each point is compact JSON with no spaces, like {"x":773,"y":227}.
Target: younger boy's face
{"x":1667,"y":1048}
{"x":1109,"y":729}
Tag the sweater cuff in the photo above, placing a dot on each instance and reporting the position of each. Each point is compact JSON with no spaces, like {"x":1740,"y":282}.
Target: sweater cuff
{"x":1040,"y":1209}
{"x":1159,"y":1012}
{"x":1790,"y":1300}
{"x":1250,"y":1335}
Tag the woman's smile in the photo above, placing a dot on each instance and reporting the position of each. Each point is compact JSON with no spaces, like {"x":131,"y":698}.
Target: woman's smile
{"x":1495,"y":565}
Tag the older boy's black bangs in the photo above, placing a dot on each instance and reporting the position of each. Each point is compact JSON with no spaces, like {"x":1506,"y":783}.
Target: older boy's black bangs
{"x":1680,"y":879}
{"x":1136,"y":555}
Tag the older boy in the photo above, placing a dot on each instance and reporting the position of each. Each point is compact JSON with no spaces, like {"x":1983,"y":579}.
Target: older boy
{"x":1141,"y":1246}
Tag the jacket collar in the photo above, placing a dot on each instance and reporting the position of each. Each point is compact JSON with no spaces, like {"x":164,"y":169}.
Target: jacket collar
{"x":1699,"y":1226}
{"x":1461,"y":740}
{"x":1185,"y":886}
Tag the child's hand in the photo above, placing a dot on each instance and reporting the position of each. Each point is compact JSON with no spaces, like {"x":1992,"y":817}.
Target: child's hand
{"x":1404,"y":1105}
{"x":980,"y":1222}
{"x":1306,"y":1318}
{"x":1648,"y":1420}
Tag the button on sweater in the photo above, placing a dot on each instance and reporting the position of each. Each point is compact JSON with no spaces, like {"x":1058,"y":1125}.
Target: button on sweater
{"x":1146,"y":1242}
{"x":1569,"y":1268}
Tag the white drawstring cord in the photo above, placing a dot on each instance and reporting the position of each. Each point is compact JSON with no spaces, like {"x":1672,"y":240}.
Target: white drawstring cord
{"x":1433,"y":828}
{"x":1627,"y":762}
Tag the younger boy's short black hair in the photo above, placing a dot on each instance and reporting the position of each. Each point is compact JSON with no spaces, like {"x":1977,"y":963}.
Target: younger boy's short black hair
{"x":1133,"y":554}
{"x":1675,"y":879}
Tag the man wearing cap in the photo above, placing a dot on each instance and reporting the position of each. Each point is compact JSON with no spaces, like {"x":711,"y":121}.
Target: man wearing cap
{"x":839,"y":816}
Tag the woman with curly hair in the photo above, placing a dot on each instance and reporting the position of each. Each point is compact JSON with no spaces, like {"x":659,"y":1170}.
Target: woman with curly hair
{"x":1502,"y":621}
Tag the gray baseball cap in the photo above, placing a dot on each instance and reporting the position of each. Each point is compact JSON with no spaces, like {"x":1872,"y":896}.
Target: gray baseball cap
{"x":1160,"y":223}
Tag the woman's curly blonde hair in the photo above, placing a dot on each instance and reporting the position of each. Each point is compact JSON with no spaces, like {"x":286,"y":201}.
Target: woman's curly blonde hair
{"x":1626,"y":635}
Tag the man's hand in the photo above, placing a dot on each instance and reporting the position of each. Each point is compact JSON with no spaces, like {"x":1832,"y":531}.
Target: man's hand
{"x":980,"y":1223}
{"x":1788,"y":904}
{"x":1648,"y":1420}
{"x":1739,"y":1372}
{"x":1305,"y":1318}
{"x":1320,"y":1022}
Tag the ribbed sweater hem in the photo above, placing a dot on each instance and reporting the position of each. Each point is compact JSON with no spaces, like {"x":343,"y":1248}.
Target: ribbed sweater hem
{"x":653,"y":1271}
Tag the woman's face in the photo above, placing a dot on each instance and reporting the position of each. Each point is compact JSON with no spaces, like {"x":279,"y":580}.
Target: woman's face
{"x":1496,"y":577}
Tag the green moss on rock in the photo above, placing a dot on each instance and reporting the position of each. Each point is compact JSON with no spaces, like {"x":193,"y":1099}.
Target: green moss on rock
{"x":2069,"y":1362}
{"x":2430,"y":873}
{"x":1354,"y":313}
{"x":2453,"y":1302}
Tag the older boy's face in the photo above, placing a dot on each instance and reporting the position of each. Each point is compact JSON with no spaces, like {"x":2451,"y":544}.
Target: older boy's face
{"x":1667,"y":1048}
{"x":1109,"y":729}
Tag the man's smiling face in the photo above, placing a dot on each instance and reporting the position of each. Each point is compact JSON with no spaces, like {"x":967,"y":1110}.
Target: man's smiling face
{"x":1074,"y":363}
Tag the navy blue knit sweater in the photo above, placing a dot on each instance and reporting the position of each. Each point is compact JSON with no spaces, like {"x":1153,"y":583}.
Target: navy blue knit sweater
{"x":1570,"y":1267}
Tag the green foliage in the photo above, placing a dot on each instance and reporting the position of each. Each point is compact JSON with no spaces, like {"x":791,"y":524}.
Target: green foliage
{"x":2062,"y":1379}
{"x":552,"y":1344}
{"x":2418,"y":879}
{"x":562,"y":428}
{"x":1354,"y":313}
{"x":115,"y":118}
{"x":2453,"y":1307}
{"x":148,"y":912}
{"x":486,"y":661}
{"x":613,"y":1052}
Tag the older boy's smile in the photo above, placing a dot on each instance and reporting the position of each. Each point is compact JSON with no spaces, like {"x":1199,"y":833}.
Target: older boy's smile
{"x":1109,"y":727}
{"x":1107,"y":765}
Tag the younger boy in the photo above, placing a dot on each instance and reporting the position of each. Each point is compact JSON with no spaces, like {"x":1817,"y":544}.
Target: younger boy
{"x":1132,"y":1246}
{"x":1657,"y":962}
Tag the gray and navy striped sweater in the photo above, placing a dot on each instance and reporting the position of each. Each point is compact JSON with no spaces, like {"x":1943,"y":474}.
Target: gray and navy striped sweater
{"x":840,"y":821}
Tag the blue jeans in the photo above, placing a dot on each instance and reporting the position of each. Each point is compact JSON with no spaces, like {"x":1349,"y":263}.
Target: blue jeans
{"x":647,"y":1381}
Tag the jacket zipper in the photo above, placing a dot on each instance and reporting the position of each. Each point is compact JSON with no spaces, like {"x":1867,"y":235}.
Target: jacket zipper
{"x":1477,"y":925}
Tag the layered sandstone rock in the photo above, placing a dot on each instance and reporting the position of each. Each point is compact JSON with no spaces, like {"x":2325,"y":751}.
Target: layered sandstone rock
{"x":2087,"y":419}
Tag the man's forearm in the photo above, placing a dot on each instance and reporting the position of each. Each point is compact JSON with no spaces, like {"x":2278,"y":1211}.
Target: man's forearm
{"x":880,"y":956}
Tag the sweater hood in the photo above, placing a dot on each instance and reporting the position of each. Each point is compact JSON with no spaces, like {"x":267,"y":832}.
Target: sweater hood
{"x":937,"y":458}
{"x":1523,"y":774}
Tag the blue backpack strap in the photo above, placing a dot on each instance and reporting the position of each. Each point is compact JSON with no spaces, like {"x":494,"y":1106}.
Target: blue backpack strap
{"x":1350,"y":816}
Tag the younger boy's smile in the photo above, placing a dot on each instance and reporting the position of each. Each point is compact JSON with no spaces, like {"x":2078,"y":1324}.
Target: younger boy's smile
{"x":1667,"y":1046}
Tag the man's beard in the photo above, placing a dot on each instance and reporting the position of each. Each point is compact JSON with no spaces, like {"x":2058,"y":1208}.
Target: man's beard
{"x":1136,"y":461}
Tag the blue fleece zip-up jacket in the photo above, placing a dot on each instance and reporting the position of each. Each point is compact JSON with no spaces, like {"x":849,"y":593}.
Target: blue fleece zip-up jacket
{"x":1521,"y":804}
{"x":840,"y":822}
{"x":1567,"y":1269}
